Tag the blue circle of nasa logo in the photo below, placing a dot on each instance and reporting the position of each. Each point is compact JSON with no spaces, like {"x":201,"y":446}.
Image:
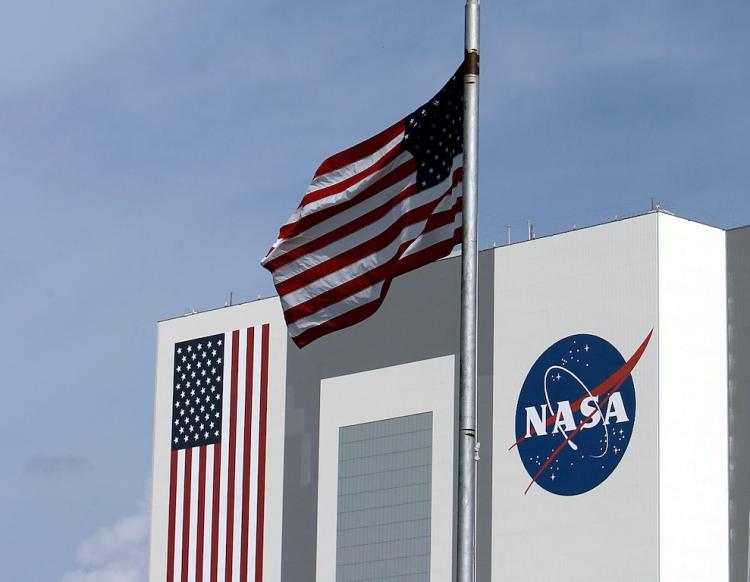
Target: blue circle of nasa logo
{"x":575,"y":414}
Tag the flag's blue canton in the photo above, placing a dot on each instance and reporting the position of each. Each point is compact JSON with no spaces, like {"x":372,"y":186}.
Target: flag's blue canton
{"x":198,"y":389}
{"x":435,"y":132}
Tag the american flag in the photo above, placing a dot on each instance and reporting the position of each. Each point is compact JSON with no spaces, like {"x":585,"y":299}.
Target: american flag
{"x":377,"y":210}
{"x":217,"y":469}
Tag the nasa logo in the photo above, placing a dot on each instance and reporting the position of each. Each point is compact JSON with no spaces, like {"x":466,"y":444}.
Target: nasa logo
{"x":575,"y":414}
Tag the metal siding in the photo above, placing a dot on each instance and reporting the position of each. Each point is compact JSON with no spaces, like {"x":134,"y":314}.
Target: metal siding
{"x":738,"y":305}
{"x":384,"y":497}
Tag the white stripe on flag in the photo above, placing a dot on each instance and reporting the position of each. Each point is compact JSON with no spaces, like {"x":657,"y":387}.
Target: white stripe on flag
{"x":193,"y":513}
{"x":239,"y":453}
{"x":258,"y":341}
{"x":178,"y":515}
{"x":225,"y":413}
{"x":208,"y":506}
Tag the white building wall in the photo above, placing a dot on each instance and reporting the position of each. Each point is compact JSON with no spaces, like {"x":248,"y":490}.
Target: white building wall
{"x":417,"y":387}
{"x":693,"y":445}
{"x":239,"y":317}
{"x":600,"y":281}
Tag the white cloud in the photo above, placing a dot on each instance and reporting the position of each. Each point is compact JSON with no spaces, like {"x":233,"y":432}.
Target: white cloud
{"x":116,"y":553}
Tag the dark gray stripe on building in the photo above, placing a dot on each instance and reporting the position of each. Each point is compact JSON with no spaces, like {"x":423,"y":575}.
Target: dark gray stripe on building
{"x":738,"y":329}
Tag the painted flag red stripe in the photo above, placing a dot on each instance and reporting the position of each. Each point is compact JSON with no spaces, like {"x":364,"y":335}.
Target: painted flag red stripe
{"x":215,"y":514}
{"x":172,"y":515}
{"x":188,"y":483}
{"x":262,"y":437}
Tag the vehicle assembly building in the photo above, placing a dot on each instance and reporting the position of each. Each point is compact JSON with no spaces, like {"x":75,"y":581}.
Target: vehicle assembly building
{"x":614,"y":384}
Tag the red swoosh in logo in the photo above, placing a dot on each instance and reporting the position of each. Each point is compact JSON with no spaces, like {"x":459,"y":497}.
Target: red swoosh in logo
{"x":608,"y":387}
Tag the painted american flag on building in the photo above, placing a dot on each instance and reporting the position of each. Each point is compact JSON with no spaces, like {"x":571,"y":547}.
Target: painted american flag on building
{"x":377,"y":210}
{"x":218,"y":457}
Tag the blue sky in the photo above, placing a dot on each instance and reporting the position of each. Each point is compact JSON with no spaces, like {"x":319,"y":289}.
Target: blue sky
{"x":150,"y":150}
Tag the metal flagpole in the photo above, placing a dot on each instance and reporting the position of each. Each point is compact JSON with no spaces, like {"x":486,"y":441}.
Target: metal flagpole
{"x":467,"y":422}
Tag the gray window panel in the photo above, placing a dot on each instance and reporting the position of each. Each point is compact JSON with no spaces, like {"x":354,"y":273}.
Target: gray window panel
{"x":407,"y":476}
{"x":383,"y":445}
{"x":373,"y":534}
{"x":383,"y":515}
{"x":412,"y":569}
{"x":386,"y":462}
{"x":384,"y":500}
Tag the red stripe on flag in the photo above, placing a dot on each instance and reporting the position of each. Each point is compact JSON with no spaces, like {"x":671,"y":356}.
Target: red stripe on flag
{"x":362,"y":250}
{"x":215,"y":491}
{"x":232,"y":453}
{"x":344,"y":230}
{"x":307,"y":221}
{"x":249,"y":355}
{"x":346,"y":183}
{"x":172,"y":514}
{"x":359,"y":151}
{"x":369,"y":278}
{"x":364,"y":311}
{"x":186,"y":513}
{"x":200,"y":538}
{"x":262,"y":428}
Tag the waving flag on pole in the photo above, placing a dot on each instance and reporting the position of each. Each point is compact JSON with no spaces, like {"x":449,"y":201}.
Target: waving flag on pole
{"x":377,"y":210}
